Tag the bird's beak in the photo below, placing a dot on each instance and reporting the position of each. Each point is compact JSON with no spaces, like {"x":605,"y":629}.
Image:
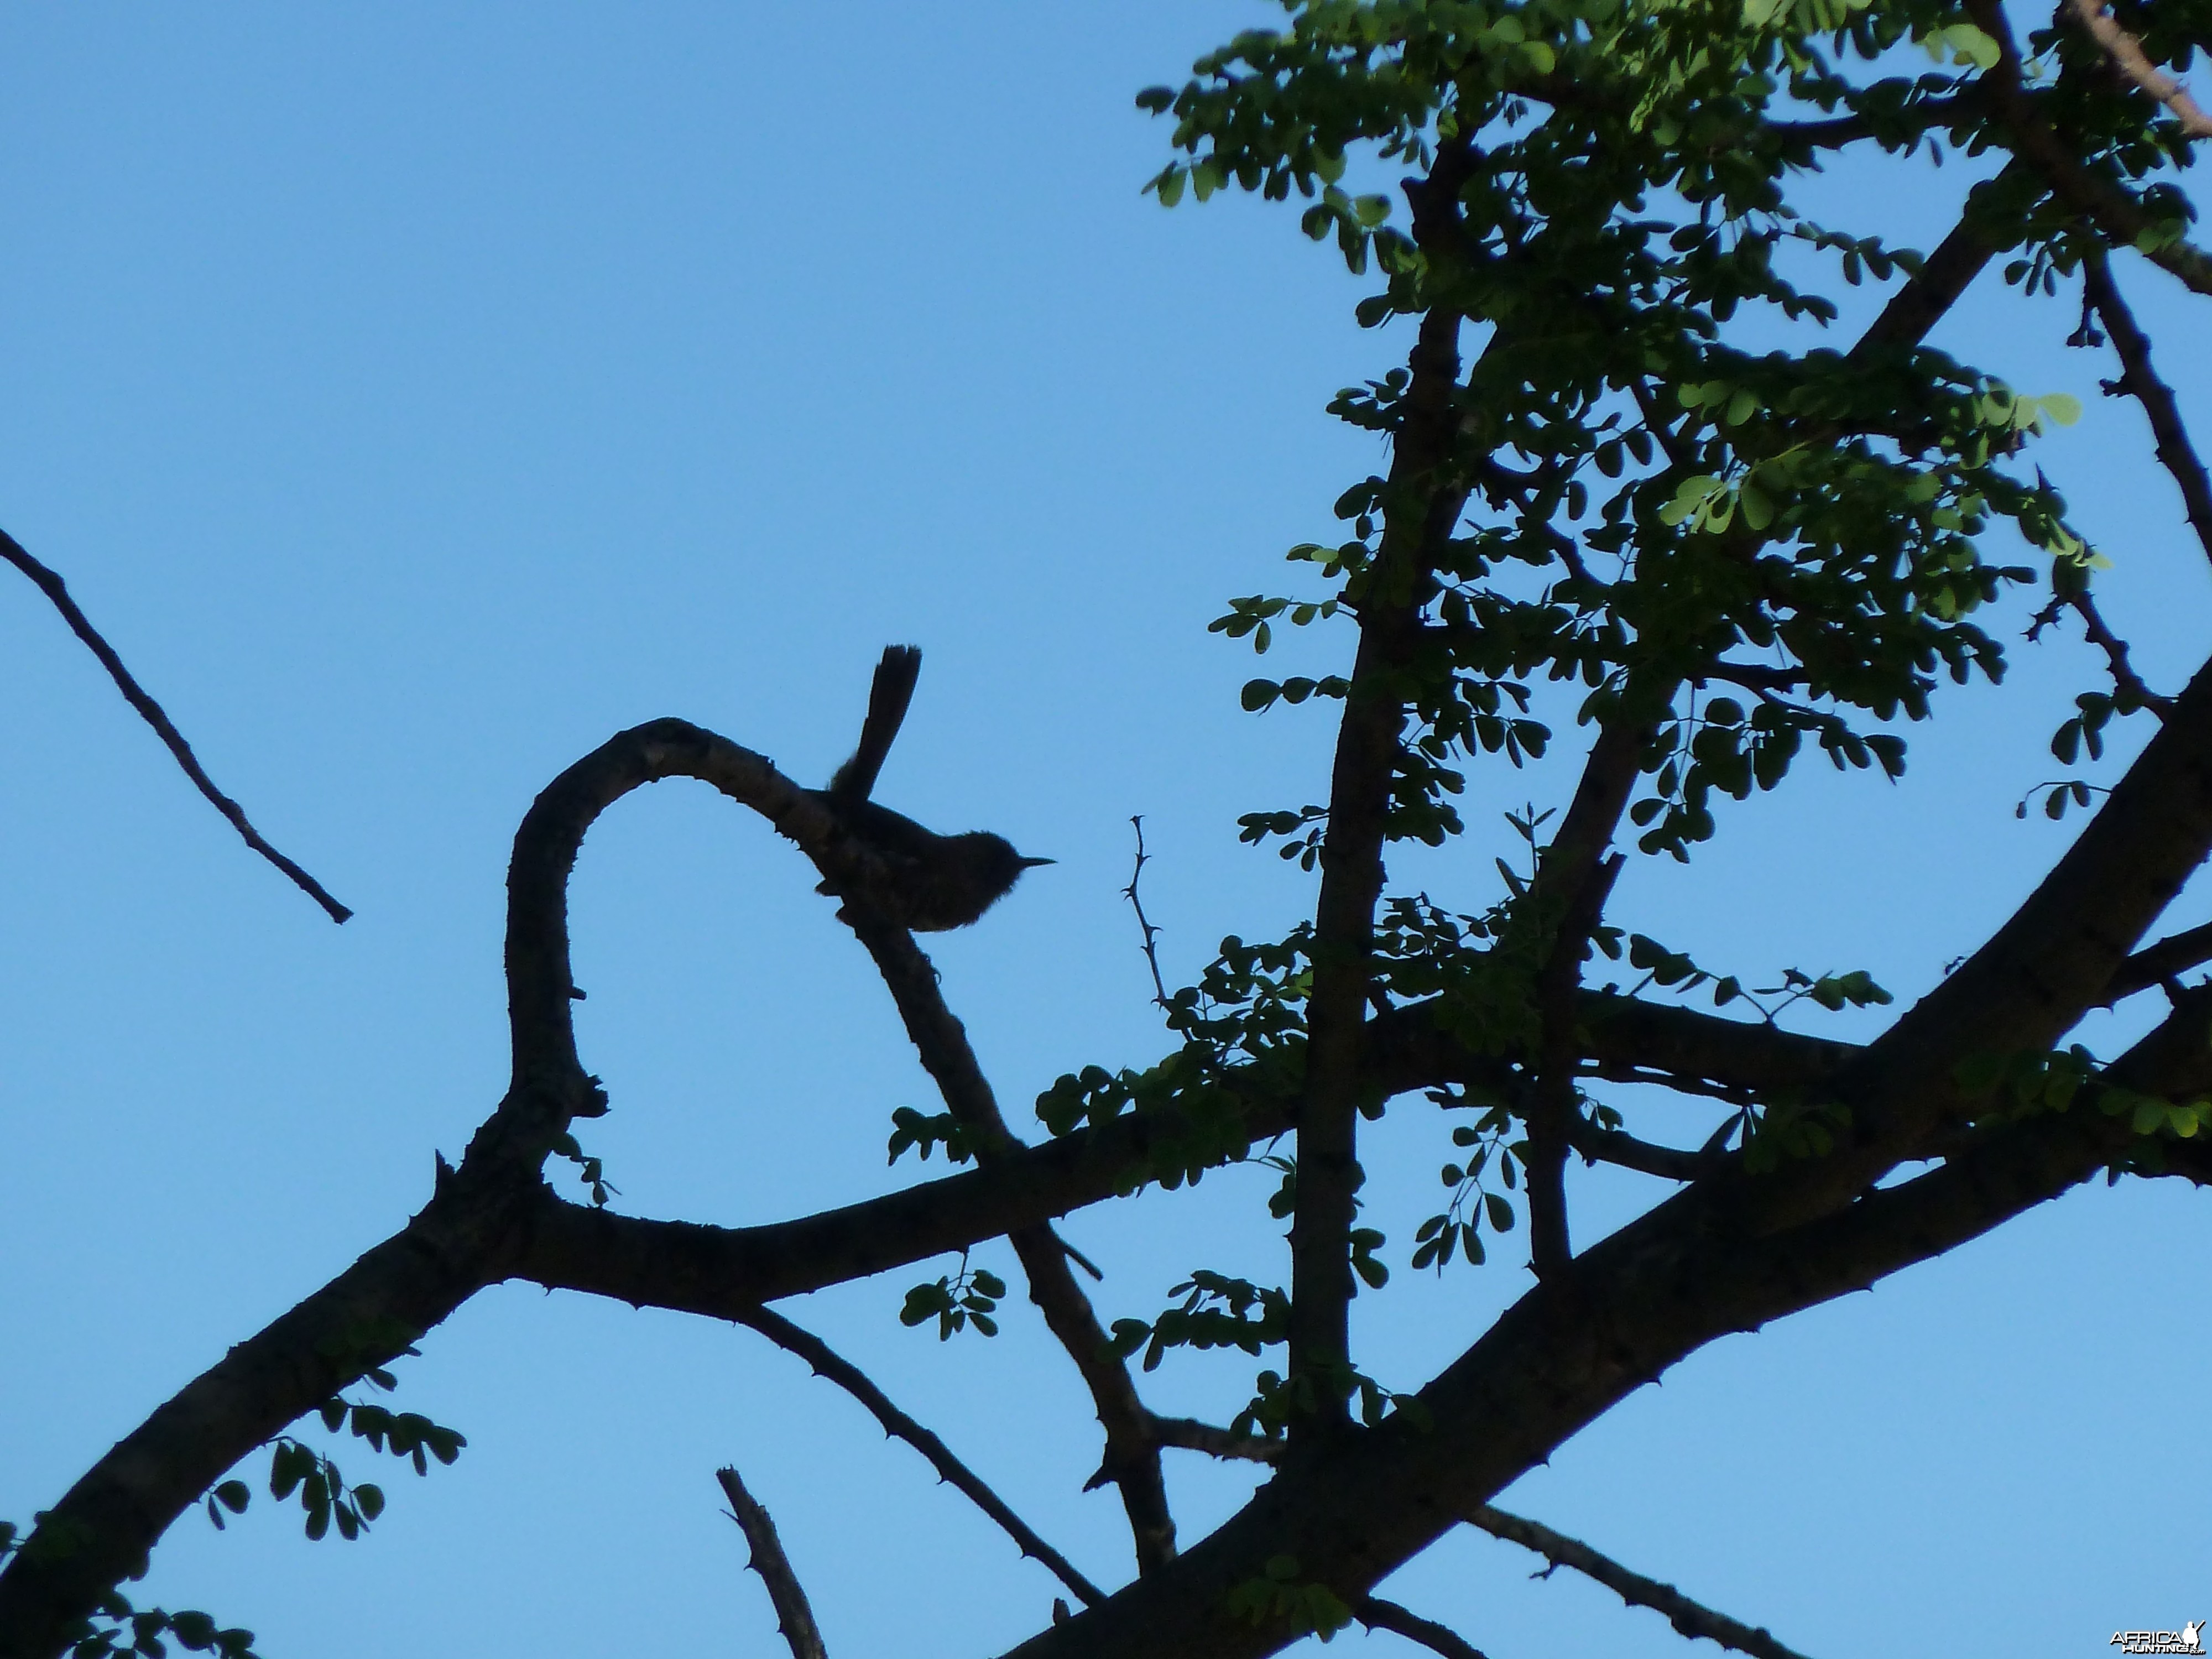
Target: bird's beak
{"x":1031,"y":864}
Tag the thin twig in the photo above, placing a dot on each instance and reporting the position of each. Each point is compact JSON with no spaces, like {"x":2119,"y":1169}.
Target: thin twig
{"x":1151,"y":934}
{"x":1693,"y":1619}
{"x":1376,"y":1614}
{"x":50,"y":583}
{"x":2126,"y":51}
{"x":2175,"y":452}
{"x":794,"y":1618}
{"x":828,"y":1363}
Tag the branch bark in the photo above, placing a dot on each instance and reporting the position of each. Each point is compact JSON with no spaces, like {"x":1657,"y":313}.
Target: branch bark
{"x":794,"y":1618}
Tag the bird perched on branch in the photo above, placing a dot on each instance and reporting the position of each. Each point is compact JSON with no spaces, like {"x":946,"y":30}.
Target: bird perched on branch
{"x":932,"y":882}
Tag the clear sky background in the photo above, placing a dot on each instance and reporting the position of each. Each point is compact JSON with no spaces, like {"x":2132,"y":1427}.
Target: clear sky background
{"x":418,"y":394}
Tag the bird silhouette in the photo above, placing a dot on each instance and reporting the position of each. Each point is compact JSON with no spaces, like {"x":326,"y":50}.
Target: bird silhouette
{"x":929,"y":882}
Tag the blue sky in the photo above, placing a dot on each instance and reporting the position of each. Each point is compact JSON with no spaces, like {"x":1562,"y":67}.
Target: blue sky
{"x":417,"y":396}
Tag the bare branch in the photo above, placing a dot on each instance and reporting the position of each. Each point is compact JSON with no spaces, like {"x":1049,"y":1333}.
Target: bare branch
{"x":793,"y":1617}
{"x":49,"y":582}
{"x":1151,"y":934}
{"x":2175,"y":452}
{"x":1943,"y":277}
{"x":848,"y":1377}
{"x":1691,"y":1617}
{"x":1376,"y":1614}
{"x":2125,"y":51}
{"x":1662,"y":1286}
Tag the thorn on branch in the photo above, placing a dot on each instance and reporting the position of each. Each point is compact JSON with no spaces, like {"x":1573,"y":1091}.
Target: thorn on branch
{"x":794,"y":1618}
{"x":49,"y":582}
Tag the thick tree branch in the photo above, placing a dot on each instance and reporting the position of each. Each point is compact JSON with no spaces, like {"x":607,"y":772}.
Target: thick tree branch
{"x":1943,"y":278}
{"x":1573,"y":878}
{"x":49,"y":582}
{"x":828,"y":1363}
{"x":2049,"y":963}
{"x":2175,"y":452}
{"x":473,"y":1232}
{"x":107,"y":1523}
{"x":794,"y":1619}
{"x":1425,"y":499}
{"x":1352,"y":1512}
{"x":1692,"y":1618}
{"x":721,"y":1272}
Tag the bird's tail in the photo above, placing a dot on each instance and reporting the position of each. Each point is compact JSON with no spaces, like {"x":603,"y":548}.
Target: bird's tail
{"x":887,"y":704}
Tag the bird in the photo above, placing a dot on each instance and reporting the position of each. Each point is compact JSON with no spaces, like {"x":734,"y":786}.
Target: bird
{"x":930,"y":883}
